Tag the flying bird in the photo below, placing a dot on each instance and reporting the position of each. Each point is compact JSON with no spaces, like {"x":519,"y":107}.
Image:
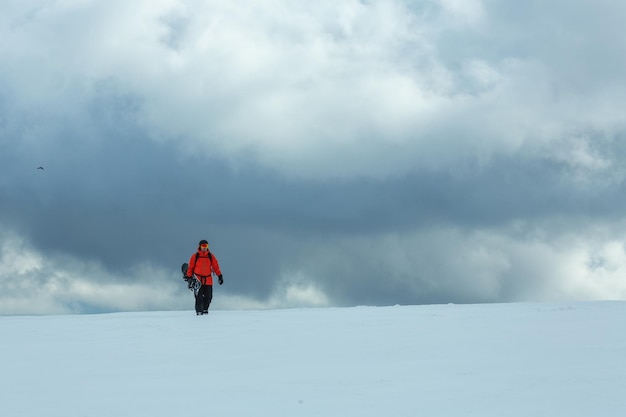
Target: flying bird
{"x":41,"y":168}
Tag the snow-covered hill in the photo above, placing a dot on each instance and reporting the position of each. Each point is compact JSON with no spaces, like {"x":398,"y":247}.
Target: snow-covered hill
{"x":508,"y":360}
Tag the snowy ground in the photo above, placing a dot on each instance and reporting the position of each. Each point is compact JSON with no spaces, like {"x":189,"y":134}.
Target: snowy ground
{"x":505,"y":360}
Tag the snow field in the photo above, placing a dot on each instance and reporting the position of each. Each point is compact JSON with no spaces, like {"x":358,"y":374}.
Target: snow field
{"x":508,"y":360}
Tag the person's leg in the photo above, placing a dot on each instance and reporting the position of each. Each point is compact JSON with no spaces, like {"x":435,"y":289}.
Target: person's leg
{"x":208,"y":296}
{"x":199,"y":300}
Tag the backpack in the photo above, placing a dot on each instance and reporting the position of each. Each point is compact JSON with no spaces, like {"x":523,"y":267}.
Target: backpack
{"x":195,"y":261}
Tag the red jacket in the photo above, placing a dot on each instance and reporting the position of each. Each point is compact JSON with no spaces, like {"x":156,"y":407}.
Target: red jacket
{"x":203,"y":264}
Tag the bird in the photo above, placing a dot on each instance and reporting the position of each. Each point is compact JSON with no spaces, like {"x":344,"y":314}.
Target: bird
{"x":41,"y":168}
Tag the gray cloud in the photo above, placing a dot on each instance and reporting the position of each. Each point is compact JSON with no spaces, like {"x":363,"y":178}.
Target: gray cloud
{"x":334,"y":154}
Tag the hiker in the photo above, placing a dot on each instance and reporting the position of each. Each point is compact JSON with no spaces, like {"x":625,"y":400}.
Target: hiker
{"x":203,"y":264}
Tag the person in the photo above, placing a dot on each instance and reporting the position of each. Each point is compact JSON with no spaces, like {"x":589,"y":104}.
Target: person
{"x":203,"y":264}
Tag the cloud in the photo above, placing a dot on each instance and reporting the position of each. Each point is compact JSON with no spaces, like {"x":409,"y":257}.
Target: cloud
{"x":351,"y":152}
{"x":446,"y":264}
{"x":35,"y":283}
{"x":320,"y":91}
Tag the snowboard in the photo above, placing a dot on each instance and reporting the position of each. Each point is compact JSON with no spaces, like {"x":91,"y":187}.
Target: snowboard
{"x":192,"y":283}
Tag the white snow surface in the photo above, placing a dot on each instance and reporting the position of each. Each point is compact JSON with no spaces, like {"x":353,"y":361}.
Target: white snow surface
{"x":522,"y":359}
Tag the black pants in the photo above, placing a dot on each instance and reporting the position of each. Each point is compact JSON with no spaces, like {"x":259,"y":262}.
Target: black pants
{"x":204,"y":297}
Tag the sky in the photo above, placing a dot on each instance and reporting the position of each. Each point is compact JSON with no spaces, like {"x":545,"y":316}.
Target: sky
{"x":513,"y":359}
{"x":333,"y":153}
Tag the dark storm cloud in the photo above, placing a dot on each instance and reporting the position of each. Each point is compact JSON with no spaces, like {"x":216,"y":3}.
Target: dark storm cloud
{"x":335,"y":154}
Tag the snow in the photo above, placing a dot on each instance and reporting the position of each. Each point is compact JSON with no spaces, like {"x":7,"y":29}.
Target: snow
{"x":523,"y":359}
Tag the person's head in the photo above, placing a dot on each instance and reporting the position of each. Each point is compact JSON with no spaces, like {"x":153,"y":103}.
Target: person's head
{"x":203,"y":245}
